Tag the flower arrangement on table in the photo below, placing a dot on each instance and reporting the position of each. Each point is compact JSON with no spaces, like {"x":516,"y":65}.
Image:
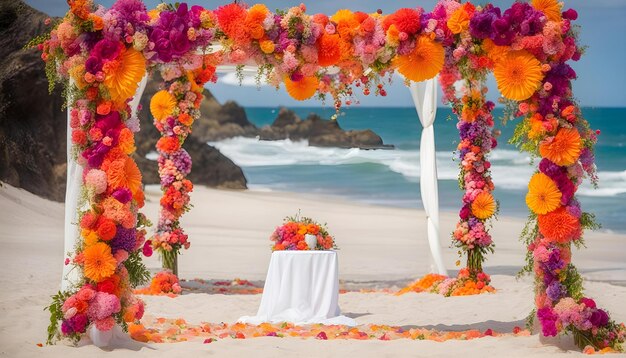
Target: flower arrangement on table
{"x":292,"y":235}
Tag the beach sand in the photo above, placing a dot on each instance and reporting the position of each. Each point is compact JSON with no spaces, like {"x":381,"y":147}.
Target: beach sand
{"x":229,"y":233}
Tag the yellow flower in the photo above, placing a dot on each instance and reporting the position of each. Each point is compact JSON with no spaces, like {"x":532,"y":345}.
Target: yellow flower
{"x":483,"y":205}
{"x":424,"y":62}
{"x":162,"y":105}
{"x":552,"y":8}
{"x":123,"y":80}
{"x":518,"y":75}
{"x":543,"y":194}
{"x":303,"y":89}
{"x":99,"y":262}
{"x":267,"y":46}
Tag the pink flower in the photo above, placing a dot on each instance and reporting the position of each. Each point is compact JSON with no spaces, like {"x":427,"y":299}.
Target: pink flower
{"x":105,"y":324}
{"x":103,"y":306}
{"x":96,"y":179}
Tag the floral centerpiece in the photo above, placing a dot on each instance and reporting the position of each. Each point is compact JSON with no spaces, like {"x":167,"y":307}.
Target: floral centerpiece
{"x":294,"y":232}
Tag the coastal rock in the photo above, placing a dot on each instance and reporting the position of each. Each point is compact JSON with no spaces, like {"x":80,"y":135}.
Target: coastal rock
{"x":32,"y":124}
{"x":319,"y":132}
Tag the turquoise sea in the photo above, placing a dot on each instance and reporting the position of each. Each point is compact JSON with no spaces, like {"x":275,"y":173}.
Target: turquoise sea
{"x":391,"y":177}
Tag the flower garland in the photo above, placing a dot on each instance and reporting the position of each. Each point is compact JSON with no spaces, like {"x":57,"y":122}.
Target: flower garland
{"x":174,"y":109}
{"x":96,"y":49}
{"x":467,"y":61}
{"x":292,"y":235}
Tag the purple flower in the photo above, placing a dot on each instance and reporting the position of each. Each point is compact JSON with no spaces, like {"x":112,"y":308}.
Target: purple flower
{"x":123,"y":195}
{"x":481,"y":25}
{"x":555,"y":291}
{"x":66,"y":328}
{"x":599,"y":318}
{"x":125,"y":239}
{"x":548,"y":319}
{"x":93,"y":65}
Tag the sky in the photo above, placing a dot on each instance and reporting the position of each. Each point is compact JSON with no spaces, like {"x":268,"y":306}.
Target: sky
{"x":601,"y":72}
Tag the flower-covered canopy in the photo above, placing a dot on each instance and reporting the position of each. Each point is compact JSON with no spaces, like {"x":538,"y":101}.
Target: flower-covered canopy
{"x":528,"y":47}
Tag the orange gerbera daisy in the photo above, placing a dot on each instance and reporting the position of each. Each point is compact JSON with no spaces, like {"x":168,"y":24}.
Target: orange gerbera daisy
{"x":562,"y":149}
{"x":518,"y":75}
{"x":99,"y":262}
{"x":543,"y":194}
{"x":328,"y":50}
{"x":302,"y":89}
{"x":424,"y":62}
{"x":122,"y":80}
{"x":162,"y":105}
{"x":483,"y":205}
{"x":124,"y":173}
{"x":460,"y":19}
{"x":559,"y":225}
{"x":552,"y":8}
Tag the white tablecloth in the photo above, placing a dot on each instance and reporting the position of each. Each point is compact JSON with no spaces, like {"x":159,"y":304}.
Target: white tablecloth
{"x":301,"y":287}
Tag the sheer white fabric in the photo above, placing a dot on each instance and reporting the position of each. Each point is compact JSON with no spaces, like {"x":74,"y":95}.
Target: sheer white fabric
{"x":301,"y":287}
{"x":425,"y":99}
{"x":72,"y":194}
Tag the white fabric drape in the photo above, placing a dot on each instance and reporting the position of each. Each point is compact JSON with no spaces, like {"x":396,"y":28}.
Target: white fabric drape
{"x":72,"y":193}
{"x":301,"y":287}
{"x":425,"y":99}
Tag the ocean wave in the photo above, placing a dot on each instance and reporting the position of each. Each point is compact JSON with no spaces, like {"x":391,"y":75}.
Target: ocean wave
{"x":510,"y":169}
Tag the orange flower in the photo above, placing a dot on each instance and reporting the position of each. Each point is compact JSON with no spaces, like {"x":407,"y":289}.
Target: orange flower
{"x":185,"y":119}
{"x":562,"y":149}
{"x":124,"y":173}
{"x":405,"y":20}
{"x":328,"y":50}
{"x":98,"y":23}
{"x":162,"y":105}
{"x":559,"y":225}
{"x":99,"y":262}
{"x":483,"y":205}
{"x":232,"y":20}
{"x":303,"y":89}
{"x":254,"y":20}
{"x":518,"y":75}
{"x":543,"y":194}
{"x":552,"y":8}
{"x":424,"y":62}
{"x":79,"y":8}
{"x":460,"y":19}
{"x":267,"y":46}
{"x":126,"y":141}
{"x":346,"y":23}
{"x":123,"y":79}
{"x":106,"y":229}
{"x":536,"y":126}
{"x":168,"y":144}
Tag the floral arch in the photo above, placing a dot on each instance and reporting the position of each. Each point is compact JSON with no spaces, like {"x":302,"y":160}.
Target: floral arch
{"x":101,"y":55}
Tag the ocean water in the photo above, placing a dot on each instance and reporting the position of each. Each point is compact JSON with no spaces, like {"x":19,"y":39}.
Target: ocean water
{"x":391,"y":177}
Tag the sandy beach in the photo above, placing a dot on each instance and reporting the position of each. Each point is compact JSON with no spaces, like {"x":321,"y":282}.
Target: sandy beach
{"x":229,"y":233}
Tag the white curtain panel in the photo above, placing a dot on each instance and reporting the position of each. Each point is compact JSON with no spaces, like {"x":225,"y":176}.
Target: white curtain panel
{"x":425,"y":99}
{"x":72,"y":231}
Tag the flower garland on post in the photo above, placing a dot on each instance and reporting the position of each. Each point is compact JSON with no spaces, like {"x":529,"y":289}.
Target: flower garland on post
{"x":174,"y":109}
{"x":96,"y":52}
{"x":467,"y":61}
{"x":555,"y":130}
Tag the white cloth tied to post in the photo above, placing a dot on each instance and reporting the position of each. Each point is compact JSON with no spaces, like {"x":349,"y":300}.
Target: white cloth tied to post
{"x":301,"y":287}
{"x":425,"y":98}
{"x":72,"y":231}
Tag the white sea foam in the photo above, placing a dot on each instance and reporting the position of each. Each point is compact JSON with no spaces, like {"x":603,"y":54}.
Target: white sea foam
{"x":510,"y":169}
